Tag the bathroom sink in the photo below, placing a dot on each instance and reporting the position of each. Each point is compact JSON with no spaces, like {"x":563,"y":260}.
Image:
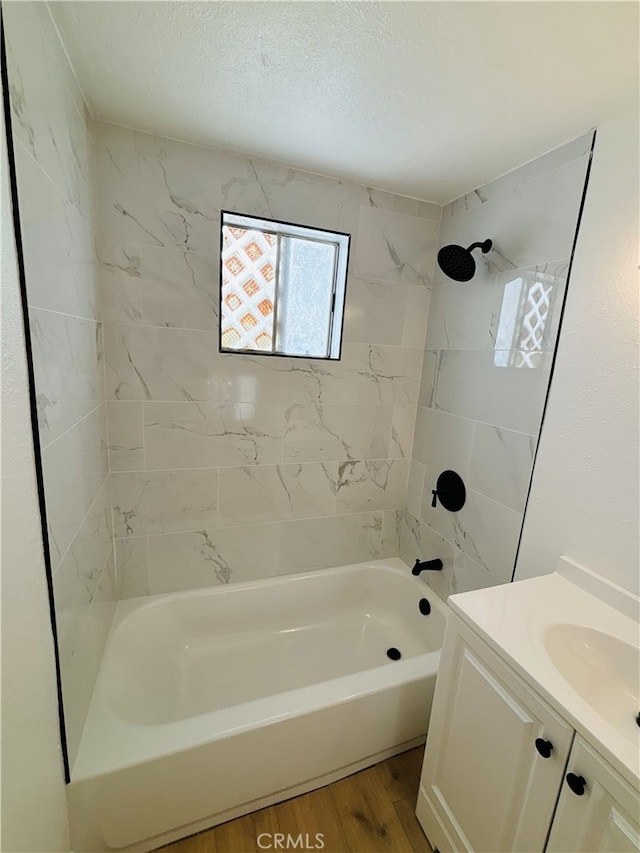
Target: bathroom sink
{"x":604,"y":670}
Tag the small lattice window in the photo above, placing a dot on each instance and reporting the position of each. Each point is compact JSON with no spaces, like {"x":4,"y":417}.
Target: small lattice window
{"x":282,"y":288}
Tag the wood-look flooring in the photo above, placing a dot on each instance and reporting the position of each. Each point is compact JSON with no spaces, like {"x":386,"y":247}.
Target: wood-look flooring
{"x":369,"y":812}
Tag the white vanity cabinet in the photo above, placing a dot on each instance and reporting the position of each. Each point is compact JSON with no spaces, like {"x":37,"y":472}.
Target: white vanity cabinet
{"x":496,"y":761}
{"x":495,"y":756}
{"x":600,"y":813}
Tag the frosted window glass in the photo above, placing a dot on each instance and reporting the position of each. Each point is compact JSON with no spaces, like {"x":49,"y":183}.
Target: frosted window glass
{"x":304,"y":297}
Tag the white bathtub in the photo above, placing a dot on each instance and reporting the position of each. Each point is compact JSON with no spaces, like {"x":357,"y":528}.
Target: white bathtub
{"x":214,"y":702}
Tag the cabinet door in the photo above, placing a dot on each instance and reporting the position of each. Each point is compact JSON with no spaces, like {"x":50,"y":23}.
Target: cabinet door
{"x":485,"y":785}
{"x":604,"y":819}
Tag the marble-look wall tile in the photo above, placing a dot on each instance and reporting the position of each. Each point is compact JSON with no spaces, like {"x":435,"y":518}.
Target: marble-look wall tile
{"x":179,"y":288}
{"x":376,"y":484}
{"x":419,"y":541}
{"x":68,"y":368}
{"x":501,"y":463}
{"x":274,"y":492}
{"x":430,"y":366}
{"x":126,"y":428}
{"x":576,"y":149}
{"x":472,"y":385}
{"x":392,"y":247}
{"x":156,"y":202}
{"x":328,"y":382}
{"x":212,"y":557}
{"x":378,"y":374}
{"x":132,"y":567}
{"x":46,"y":119}
{"x":532,"y":223}
{"x":155,"y":147}
{"x":471,"y":315}
{"x":315,"y":543}
{"x":77,"y":576}
{"x":153,"y":363}
{"x":276,"y":428}
{"x":281,"y":193}
{"x":147,"y":502}
{"x":208,"y":435}
{"x":52,"y":144}
{"x":416,"y":318}
{"x":538,"y":293}
{"x":429,"y":210}
{"x":120,"y":290}
{"x":415,"y":485}
{"x":74,"y":467}
{"x":81,"y":642}
{"x":402,"y":431}
{"x":375,"y":312}
{"x":468,"y":575}
{"x":465,"y":315}
{"x":408,"y":206}
{"x":479,"y":410}
{"x":443,"y":441}
{"x":85,"y":598}
{"x":484,"y":530}
{"x":316,"y":433}
{"x":57,"y":244}
{"x":459,"y":573}
{"x":390,"y":541}
{"x":270,"y":379}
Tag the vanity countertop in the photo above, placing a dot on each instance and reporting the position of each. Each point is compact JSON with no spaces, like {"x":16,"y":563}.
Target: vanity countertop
{"x":550,"y":625}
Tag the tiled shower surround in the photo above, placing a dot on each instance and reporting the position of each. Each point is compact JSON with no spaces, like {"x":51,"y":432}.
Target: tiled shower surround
{"x":228,"y":467}
{"x":486,"y":368}
{"x":169,"y":466}
{"x":53,"y":151}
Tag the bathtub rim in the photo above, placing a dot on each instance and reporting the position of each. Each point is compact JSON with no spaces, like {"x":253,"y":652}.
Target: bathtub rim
{"x":128,"y":607}
{"x":109,"y":743}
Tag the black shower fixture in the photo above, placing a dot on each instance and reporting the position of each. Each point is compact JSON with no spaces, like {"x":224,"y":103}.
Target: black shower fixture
{"x":458,"y":263}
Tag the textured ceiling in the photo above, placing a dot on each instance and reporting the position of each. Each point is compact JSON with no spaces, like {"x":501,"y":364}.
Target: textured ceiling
{"x":428,"y":99}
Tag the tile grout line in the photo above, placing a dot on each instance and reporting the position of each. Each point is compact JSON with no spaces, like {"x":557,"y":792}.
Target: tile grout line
{"x":103,"y":484}
{"x":54,"y":184}
{"x":455,"y":547}
{"x":54,"y":311}
{"x":478,"y":421}
{"x":278,"y":521}
{"x":73,"y":425}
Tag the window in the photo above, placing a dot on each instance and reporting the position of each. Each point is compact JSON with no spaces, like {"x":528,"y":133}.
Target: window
{"x":282,"y":288}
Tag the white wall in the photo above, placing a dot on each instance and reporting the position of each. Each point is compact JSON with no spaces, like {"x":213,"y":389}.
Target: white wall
{"x":34,"y":810}
{"x":584,"y":497}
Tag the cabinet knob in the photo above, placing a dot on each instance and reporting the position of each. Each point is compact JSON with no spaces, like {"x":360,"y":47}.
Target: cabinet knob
{"x":544,"y":747}
{"x":576,"y":783}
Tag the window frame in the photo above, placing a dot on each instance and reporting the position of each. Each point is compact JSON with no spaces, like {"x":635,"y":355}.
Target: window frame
{"x":280,"y":228}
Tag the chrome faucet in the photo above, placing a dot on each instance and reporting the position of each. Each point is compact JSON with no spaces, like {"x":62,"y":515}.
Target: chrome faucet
{"x":427,"y":566}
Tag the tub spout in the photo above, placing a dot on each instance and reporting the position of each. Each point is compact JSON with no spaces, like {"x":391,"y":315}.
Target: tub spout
{"x":426,"y":566}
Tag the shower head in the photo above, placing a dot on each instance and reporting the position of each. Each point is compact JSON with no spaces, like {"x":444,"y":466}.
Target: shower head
{"x":458,"y":263}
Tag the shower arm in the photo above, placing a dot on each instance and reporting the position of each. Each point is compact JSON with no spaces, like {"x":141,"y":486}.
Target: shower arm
{"x":485,"y":245}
